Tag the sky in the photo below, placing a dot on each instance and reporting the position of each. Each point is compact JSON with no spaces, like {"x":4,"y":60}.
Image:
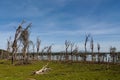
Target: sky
{"x":55,"y":21}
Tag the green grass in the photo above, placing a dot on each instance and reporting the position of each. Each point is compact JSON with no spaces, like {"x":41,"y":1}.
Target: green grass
{"x":60,"y":71}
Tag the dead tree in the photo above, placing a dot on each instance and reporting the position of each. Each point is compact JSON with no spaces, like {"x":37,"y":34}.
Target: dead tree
{"x":61,"y":55}
{"x":30,"y":43}
{"x":86,"y":40}
{"x":43,"y":70}
{"x":75,"y":52}
{"x":67,"y":44}
{"x":24,"y":38}
{"x":38,"y":46}
{"x":33,"y":51}
{"x":14,"y":44}
{"x":98,"y":48}
{"x":71,"y":46}
{"x":112,"y":54}
{"x":42,"y":52}
{"x":92,"y":47}
{"x":49,"y":52}
{"x":8,"y":47}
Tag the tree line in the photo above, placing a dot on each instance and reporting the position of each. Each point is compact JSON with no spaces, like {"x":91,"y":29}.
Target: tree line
{"x":21,"y":44}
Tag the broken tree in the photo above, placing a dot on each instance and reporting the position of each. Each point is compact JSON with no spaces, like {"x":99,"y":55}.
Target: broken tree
{"x":43,"y":70}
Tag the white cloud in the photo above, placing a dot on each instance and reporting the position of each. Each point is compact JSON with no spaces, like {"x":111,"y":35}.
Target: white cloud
{"x":77,"y":32}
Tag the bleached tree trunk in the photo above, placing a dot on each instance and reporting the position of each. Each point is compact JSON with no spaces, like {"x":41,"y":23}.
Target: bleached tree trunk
{"x":38,"y":46}
{"x":9,"y":47}
{"x":92,"y":47}
{"x":43,"y":70}
{"x":86,"y":40}
{"x":76,"y":52}
{"x":71,"y":46}
{"x":112,"y":53}
{"x":24,"y":38}
{"x":14,"y":45}
{"x":98,"y":47}
{"x":67,"y":44}
{"x":49,"y":52}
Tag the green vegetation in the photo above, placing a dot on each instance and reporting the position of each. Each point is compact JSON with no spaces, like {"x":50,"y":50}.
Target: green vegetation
{"x":60,"y":71}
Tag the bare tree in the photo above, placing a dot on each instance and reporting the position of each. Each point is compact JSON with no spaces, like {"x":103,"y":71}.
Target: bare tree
{"x":8,"y":47}
{"x":42,"y":52}
{"x":67,"y":44}
{"x":30,"y":44}
{"x":71,"y":46}
{"x":33,"y":51}
{"x":86,"y":40}
{"x":24,"y":38}
{"x":75,"y":52}
{"x":98,"y":48}
{"x":14,"y":45}
{"x":112,"y":53}
{"x":38,"y":46}
{"x":92,"y":47}
{"x":49,"y":52}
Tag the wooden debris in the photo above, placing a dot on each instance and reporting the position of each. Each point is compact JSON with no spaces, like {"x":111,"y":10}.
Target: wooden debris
{"x":43,"y":70}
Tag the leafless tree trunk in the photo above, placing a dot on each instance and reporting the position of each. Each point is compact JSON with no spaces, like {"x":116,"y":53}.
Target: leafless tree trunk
{"x":71,"y":46}
{"x":24,"y":38}
{"x":75,"y":51}
{"x":42,"y":52}
{"x":14,"y":45}
{"x":8,"y":47}
{"x":86,"y":40}
{"x":92,"y":47}
{"x":67,"y":44}
{"x":98,"y":48}
{"x":49,"y":52}
{"x":30,"y":43}
{"x":61,"y":55}
{"x":38,"y":46}
{"x":33,"y":51}
{"x":112,"y":53}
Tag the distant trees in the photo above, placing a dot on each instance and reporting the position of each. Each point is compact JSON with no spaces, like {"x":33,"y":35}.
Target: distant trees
{"x":31,"y":48}
{"x":49,"y":52}
{"x":98,"y":48}
{"x":76,"y":52}
{"x":67,"y":45}
{"x":71,"y":48}
{"x":8,"y":47}
{"x":22,"y":42}
{"x":112,"y":54}
{"x":43,"y":51}
{"x":92,"y":47}
{"x":38,"y":45}
{"x":85,"y":45}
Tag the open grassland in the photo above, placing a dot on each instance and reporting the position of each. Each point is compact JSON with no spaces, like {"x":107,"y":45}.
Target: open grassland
{"x":60,"y":71}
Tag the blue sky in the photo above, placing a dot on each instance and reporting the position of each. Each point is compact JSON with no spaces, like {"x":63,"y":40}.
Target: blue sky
{"x":55,"y":21}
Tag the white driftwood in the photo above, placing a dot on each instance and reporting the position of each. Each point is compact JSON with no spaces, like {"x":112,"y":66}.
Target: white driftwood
{"x":43,"y":70}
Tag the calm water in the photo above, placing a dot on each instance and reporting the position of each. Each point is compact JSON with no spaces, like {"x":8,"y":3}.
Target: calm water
{"x":106,"y":58}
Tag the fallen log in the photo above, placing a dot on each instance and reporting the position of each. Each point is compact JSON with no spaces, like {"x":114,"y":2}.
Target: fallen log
{"x":43,"y":70}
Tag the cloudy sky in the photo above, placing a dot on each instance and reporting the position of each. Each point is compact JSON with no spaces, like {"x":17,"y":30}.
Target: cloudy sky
{"x":55,"y":21}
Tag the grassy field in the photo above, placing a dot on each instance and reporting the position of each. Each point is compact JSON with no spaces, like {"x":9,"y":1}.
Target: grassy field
{"x":60,"y":71}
